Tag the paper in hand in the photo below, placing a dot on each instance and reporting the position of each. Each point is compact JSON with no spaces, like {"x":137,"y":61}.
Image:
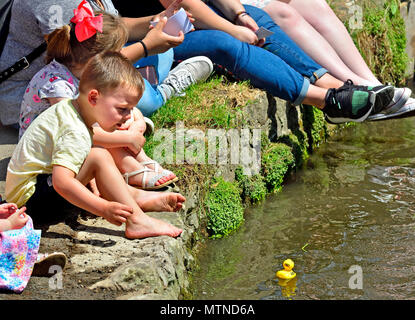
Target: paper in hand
{"x":263,"y":33}
{"x":176,"y":23}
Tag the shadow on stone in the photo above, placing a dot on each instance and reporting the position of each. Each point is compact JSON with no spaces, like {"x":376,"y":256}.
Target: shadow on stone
{"x":3,"y":168}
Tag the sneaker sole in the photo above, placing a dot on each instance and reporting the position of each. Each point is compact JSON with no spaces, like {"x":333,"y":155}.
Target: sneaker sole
{"x":42,"y":268}
{"x":372,"y":100}
{"x":394,"y":108}
{"x":397,"y":114}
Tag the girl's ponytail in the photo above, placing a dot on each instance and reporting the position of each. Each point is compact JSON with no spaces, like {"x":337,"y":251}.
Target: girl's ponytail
{"x":59,"y":45}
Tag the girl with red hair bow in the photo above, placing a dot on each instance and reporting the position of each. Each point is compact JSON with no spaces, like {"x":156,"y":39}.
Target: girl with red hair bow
{"x":69,"y":49}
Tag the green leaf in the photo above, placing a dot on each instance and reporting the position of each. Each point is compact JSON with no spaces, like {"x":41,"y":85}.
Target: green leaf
{"x":394,"y":8}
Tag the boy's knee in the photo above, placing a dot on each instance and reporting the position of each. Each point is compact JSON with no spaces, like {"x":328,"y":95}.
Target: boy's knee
{"x":100,"y":155}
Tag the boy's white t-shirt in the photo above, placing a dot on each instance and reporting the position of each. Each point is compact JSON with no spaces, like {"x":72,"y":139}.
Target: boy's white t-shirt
{"x":58,"y":136}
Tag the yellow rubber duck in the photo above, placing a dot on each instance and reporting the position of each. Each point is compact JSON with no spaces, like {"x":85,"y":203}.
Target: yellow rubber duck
{"x":287,"y":273}
{"x":288,"y":287}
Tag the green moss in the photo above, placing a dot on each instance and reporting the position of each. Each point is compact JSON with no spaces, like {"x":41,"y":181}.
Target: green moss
{"x":298,"y":141}
{"x":224,"y":207}
{"x":277,"y":161}
{"x":382,"y":40}
{"x":314,"y":125}
{"x":206,"y":105}
{"x":253,"y":187}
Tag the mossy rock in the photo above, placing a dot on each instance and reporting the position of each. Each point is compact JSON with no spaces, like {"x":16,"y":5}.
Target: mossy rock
{"x":277,"y":161}
{"x":253,"y":188}
{"x":314,"y":125}
{"x":225,"y":211}
{"x":298,"y":141}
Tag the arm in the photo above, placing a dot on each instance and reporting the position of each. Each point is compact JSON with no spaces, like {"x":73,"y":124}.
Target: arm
{"x":66,"y":184}
{"x":229,"y":7}
{"x":132,"y":138}
{"x":155,"y":40}
{"x":205,"y":18}
{"x":116,"y":139}
{"x":137,"y":27}
{"x":232,"y":9}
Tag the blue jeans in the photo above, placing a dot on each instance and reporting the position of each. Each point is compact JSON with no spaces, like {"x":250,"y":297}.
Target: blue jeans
{"x":152,"y":98}
{"x":280,"y":67}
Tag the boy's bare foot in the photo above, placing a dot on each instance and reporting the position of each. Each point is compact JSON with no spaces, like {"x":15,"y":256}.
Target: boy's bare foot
{"x":142,"y":226}
{"x":150,"y":201}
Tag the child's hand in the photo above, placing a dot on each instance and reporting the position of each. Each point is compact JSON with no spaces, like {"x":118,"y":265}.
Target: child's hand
{"x":158,"y":42}
{"x":137,"y":138}
{"x":18,"y":219}
{"x":6,"y":209}
{"x":116,"y":213}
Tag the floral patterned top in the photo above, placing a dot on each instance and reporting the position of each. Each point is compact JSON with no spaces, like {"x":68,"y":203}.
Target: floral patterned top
{"x":52,"y":81}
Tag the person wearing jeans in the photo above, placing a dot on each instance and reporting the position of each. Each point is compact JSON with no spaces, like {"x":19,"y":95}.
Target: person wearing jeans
{"x":283,"y":69}
{"x":279,"y":66}
{"x":314,"y":26}
{"x":154,"y":96}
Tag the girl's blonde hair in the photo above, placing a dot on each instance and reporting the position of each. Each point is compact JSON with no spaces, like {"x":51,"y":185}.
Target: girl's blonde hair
{"x":64,"y":47}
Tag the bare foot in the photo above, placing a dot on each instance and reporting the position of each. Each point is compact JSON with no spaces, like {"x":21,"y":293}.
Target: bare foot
{"x":142,"y":226}
{"x":150,"y":201}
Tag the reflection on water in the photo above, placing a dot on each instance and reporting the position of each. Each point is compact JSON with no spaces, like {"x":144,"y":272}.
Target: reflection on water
{"x":352,"y":205}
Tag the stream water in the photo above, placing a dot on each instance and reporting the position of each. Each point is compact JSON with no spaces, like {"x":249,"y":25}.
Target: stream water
{"x":347,"y":220}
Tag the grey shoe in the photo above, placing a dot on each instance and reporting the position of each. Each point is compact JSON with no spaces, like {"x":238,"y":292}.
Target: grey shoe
{"x":186,"y":73}
{"x":396,"y":106}
{"x":406,"y":111}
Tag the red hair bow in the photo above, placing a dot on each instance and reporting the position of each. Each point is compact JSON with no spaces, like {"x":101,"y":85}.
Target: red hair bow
{"x":86,"y":23}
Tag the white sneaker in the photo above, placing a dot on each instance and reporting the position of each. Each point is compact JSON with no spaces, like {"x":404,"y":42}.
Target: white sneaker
{"x":396,"y":106}
{"x":186,"y":73}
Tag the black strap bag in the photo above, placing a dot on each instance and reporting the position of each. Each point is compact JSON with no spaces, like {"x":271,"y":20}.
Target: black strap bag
{"x":24,"y":62}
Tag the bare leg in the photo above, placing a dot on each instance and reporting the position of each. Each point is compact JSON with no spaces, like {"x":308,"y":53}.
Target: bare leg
{"x":322,"y":18}
{"x":310,"y":41}
{"x":328,"y":81}
{"x":315,"y":97}
{"x":100,"y":165}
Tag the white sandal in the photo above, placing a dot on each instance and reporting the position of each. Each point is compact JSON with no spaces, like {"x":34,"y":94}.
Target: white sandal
{"x":151,"y":183}
{"x":149,"y":126}
{"x":157,"y":168}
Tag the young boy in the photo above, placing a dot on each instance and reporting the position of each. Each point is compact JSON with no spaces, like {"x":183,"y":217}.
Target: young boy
{"x":54,"y":160}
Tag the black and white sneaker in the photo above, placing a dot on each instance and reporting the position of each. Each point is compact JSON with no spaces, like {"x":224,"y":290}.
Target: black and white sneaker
{"x":355,"y":103}
{"x":400,"y":104}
